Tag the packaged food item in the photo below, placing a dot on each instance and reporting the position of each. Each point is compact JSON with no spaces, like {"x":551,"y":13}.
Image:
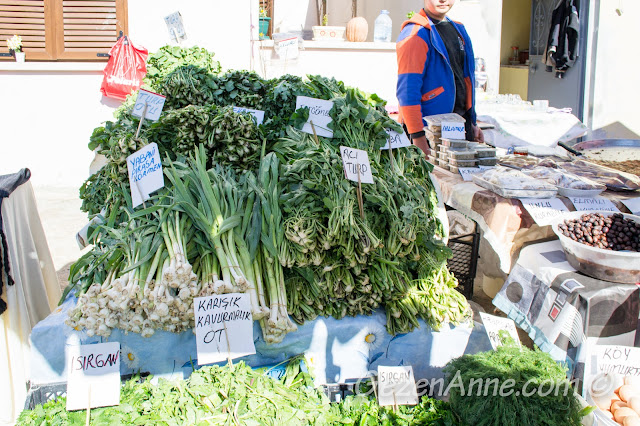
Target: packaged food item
{"x":455,"y":143}
{"x":432,"y":136}
{"x":463,"y":163}
{"x":485,"y":151}
{"x":613,"y":179}
{"x":443,"y":155}
{"x":432,"y":159}
{"x":462,"y":154}
{"x":434,"y":122}
{"x":511,"y":183}
{"x":443,"y":163}
{"x":487,"y":161}
{"x":443,"y":148}
{"x":518,"y":161}
{"x":566,"y":181}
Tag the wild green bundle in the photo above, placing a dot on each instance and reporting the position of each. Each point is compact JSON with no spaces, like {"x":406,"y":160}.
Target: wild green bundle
{"x":512,"y":386}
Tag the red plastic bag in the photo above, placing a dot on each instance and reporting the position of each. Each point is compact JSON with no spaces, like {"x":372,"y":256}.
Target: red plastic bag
{"x":125,"y":70}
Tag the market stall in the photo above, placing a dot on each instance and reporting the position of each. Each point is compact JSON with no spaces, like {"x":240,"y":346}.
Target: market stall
{"x":274,"y":193}
{"x":506,"y":225}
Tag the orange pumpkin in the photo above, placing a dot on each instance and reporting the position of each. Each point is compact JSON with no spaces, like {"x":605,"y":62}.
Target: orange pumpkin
{"x":357,"y":29}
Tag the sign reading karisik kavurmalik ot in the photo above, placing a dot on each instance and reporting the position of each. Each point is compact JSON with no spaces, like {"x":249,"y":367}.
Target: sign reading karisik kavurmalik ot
{"x":224,"y":327}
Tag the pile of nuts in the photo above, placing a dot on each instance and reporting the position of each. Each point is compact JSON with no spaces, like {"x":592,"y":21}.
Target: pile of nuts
{"x":606,"y":232}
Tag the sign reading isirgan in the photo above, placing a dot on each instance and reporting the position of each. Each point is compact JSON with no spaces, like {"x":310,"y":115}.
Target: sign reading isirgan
{"x":224,"y":327}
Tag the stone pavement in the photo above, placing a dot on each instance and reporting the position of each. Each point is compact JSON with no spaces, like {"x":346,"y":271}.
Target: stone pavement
{"x":59,"y":210}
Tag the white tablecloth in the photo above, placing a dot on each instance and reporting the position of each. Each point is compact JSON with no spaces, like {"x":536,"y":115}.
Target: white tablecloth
{"x":33,"y":296}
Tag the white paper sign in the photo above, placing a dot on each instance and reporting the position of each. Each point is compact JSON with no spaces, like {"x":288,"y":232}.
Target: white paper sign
{"x":287,"y":48}
{"x":259,"y":115}
{"x":175,"y":26}
{"x":595,"y":203}
{"x":633,"y":204}
{"x":468,"y":172}
{"x":453,"y":130}
{"x":145,"y":173}
{"x":396,"y":386}
{"x":93,"y":375}
{"x":154,"y":101}
{"x":397,"y":140}
{"x":623,"y":360}
{"x":493,"y":325}
{"x":318,"y":113}
{"x":224,"y":327}
{"x":354,"y":160}
{"x":544,"y":210}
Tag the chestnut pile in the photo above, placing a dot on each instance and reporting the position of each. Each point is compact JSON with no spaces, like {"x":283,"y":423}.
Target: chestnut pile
{"x":606,"y":232}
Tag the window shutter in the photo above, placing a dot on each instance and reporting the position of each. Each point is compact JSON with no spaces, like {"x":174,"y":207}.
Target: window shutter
{"x":85,"y":28}
{"x":27,"y":18}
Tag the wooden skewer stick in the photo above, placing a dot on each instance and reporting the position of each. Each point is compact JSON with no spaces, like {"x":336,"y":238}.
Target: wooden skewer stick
{"x":360,"y":201}
{"x":226,"y":334}
{"x":144,"y":113}
{"x":315,"y":135}
{"x":88,"y":419}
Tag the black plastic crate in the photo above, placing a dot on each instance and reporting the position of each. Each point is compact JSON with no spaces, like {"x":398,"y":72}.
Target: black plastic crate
{"x":39,"y":394}
{"x":464,"y":262}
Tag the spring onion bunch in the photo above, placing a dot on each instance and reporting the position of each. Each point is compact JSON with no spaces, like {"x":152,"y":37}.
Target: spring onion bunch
{"x":137,"y":278}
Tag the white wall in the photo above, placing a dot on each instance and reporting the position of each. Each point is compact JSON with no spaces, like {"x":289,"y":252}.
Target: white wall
{"x":48,"y":110}
{"x":616,"y":87}
{"x":482,"y":18}
{"x":224,"y":27}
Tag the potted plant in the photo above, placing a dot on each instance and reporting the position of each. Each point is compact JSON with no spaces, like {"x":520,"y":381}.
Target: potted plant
{"x":357,"y":27}
{"x":264,"y":24}
{"x":15,"y":45}
{"x":323,"y":31}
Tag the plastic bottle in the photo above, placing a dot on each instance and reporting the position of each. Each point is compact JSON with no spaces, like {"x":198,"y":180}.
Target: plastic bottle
{"x":382,"y":28}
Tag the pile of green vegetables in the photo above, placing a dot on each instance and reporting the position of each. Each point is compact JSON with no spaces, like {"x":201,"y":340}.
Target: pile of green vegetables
{"x":260,"y":209}
{"x":494,"y":402}
{"x":237,"y":395}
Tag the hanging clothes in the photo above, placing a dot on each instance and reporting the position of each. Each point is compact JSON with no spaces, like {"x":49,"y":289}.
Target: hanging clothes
{"x":8,"y":184}
{"x":564,"y":37}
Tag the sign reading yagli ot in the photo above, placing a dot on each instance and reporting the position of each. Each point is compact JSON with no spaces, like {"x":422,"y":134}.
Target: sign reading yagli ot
{"x":355,"y":160}
{"x":453,"y":130}
{"x":257,"y":114}
{"x":493,"y":325}
{"x":145,"y":173}
{"x":93,"y":375}
{"x":318,"y":113}
{"x":544,"y":210}
{"x":396,"y":386}
{"x":396,"y":140}
{"x":224,"y":327}
{"x":154,"y":101}
{"x":468,"y":172}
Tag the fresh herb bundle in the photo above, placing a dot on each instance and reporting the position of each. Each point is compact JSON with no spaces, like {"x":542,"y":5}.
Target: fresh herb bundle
{"x":488,"y":388}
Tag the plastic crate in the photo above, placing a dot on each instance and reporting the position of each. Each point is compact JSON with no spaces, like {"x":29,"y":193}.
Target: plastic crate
{"x":337,"y":392}
{"x":39,"y":394}
{"x":464,"y":262}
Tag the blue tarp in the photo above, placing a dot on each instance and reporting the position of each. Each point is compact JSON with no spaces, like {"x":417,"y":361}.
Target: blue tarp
{"x":336,"y":350}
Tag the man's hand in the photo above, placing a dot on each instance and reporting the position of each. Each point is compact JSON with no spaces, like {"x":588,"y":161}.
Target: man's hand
{"x":421,"y":142}
{"x":478,"y":136}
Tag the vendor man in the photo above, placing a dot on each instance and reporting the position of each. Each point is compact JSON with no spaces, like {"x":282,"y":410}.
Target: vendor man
{"x":435,"y":71}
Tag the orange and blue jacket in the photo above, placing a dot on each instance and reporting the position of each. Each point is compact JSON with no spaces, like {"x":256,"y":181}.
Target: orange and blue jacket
{"x":426,"y":84}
